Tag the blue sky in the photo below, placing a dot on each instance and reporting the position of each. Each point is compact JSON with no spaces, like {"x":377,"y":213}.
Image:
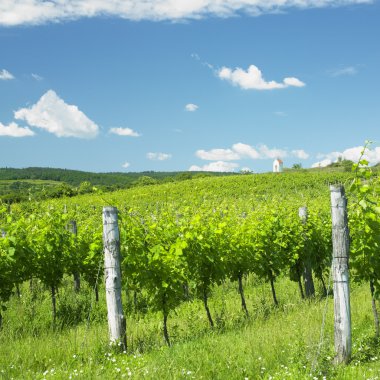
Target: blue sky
{"x":170,"y":85}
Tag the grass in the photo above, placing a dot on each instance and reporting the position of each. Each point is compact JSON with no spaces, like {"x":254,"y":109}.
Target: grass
{"x":273,"y":343}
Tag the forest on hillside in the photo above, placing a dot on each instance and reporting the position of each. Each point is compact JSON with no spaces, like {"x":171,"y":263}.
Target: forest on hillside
{"x":17,"y":185}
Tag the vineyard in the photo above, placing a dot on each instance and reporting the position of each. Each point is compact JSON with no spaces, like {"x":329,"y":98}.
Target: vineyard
{"x":204,"y":249}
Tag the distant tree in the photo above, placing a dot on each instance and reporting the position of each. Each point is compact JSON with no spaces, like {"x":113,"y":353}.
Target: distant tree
{"x":246,"y":171}
{"x":145,"y":181}
{"x":297,"y":166}
{"x":342,"y":163}
{"x":85,"y":187}
{"x":202,"y":175}
{"x":63,"y":190}
{"x":167,"y":179}
{"x":183,"y":176}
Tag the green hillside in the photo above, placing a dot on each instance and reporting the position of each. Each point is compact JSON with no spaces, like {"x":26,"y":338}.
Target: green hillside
{"x":76,"y":177}
{"x":188,"y":247}
{"x":17,"y":185}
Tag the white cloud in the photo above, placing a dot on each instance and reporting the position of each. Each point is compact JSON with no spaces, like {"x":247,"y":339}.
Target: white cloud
{"x":4,"y":74}
{"x":273,"y":153}
{"x":13,"y":130}
{"x":240,"y":151}
{"x":300,"y":153}
{"x":219,"y":166}
{"x":39,"y":12}
{"x":126,"y":165}
{"x":352,"y":154}
{"x":217,"y":154}
{"x":322,"y":164}
{"x":245,"y":150}
{"x":55,"y":116}
{"x":294,"y":82}
{"x":158,"y":156}
{"x":253,"y":79}
{"x":349,"y":70}
{"x":124,"y":132}
{"x":371,"y":155}
{"x":37,"y":77}
{"x":191,"y":107}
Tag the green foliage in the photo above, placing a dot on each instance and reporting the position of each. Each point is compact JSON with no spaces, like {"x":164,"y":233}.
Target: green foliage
{"x":145,"y":181}
{"x":193,"y":237}
{"x":50,"y":242}
{"x":180,"y":240}
{"x":364,"y":218}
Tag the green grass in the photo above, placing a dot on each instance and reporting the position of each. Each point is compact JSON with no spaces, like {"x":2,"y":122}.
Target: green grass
{"x":274,"y":343}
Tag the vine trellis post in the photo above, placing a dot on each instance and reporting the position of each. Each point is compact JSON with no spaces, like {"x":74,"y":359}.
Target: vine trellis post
{"x":112,"y":275}
{"x":340,"y":273}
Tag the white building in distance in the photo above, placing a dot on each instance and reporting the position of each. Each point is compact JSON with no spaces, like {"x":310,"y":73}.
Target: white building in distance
{"x":278,"y":166}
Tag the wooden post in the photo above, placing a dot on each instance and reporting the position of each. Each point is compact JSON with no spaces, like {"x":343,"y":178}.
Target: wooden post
{"x":307,"y":272}
{"x":340,"y":271}
{"x":72,"y":227}
{"x":111,"y":243}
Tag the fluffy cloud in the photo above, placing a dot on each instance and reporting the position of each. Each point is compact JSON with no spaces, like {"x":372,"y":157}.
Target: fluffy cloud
{"x":55,"y":116}
{"x":126,"y":165}
{"x":4,"y":74}
{"x":13,"y":130}
{"x":218,"y":166}
{"x":322,"y":164}
{"x":191,"y":107}
{"x":273,"y":153}
{"x":124,"y":132}
{"x":38,"y":12}
{"x":244,"y":150}
{"x":253,"y":79}
{"x":352,"y":154}
{"x":158,"y":156}
{"x":300,"y":153}
{"x":240,"y":151}
{"x":217,"y":154}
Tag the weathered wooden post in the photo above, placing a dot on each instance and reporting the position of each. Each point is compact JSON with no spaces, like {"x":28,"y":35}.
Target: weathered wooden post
{"x":72,"y":227}
{"x":340,"y":272}
{"x":307,"y":272}
{"x":111,"y":243}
